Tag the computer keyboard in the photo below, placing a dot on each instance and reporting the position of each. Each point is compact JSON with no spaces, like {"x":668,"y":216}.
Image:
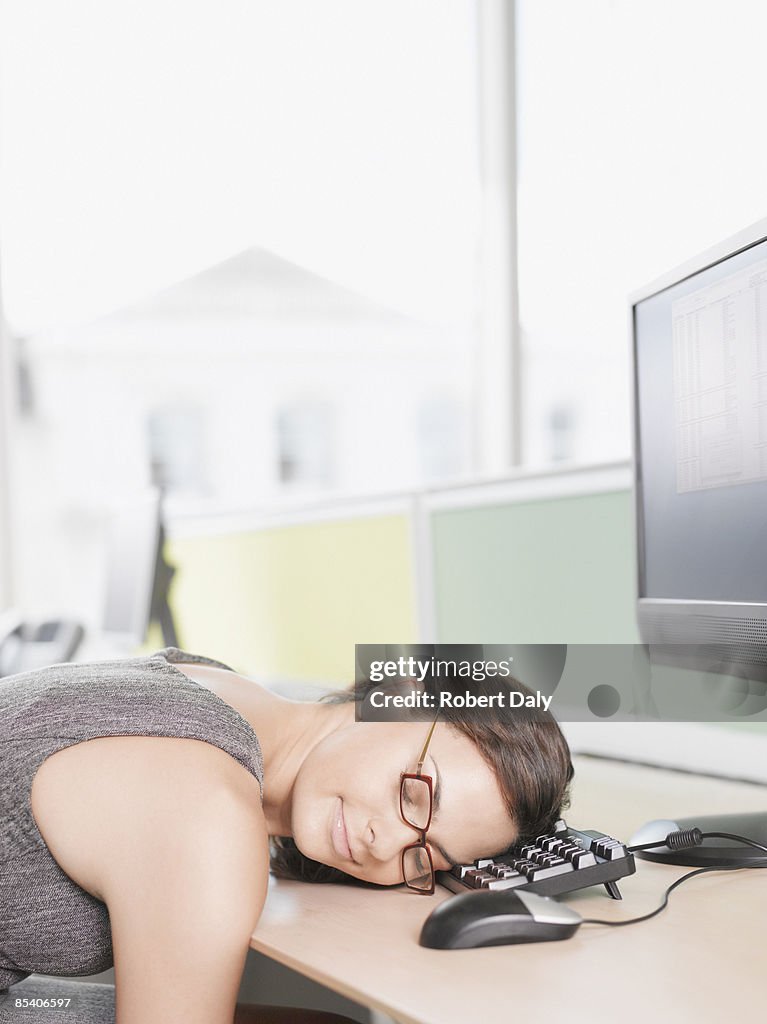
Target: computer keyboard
{"x":561,"y":862}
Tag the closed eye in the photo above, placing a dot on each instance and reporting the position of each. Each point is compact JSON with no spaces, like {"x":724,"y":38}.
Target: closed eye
{"x":437,"y":800}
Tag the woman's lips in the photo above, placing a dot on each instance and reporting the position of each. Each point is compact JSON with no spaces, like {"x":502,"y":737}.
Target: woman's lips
{"x":338,"y":834}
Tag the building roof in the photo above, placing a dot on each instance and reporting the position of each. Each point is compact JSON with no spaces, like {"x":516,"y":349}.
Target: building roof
{"x":259,"y":284}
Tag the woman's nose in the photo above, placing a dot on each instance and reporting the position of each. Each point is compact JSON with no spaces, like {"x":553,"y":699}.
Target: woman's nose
{"x":386,"y":838}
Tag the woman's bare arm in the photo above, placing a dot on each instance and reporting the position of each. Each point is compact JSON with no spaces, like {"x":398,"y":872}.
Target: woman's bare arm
{"x":171,"y":836}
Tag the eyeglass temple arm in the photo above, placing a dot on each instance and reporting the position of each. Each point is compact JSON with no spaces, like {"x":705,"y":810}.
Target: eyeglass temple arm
{"x":422,"y":758}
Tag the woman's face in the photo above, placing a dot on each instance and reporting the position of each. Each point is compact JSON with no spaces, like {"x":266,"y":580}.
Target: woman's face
{"x":346,"y":813}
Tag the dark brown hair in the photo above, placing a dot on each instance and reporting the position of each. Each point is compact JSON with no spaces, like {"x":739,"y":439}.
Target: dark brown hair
{"x":527,"y":753}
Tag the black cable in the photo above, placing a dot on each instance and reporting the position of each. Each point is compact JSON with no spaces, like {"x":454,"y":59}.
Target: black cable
{"x":694,"y":837}
{"x":664,"y":904}
{"x":739,"y":839}
{"x":679,"y":841}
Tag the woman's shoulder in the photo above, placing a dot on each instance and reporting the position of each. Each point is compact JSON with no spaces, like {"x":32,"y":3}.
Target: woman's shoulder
{"x":100,"y":801}
{"x":174,"y":842}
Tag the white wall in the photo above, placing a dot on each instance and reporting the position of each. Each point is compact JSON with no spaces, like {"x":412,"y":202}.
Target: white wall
{"x":5,"y":508}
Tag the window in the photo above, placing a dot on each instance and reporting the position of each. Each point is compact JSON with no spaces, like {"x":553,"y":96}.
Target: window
{"x":306,"y":444}
{"x":639,"y":145}
{"x":238,"y":273}
{"x":176,"y":436}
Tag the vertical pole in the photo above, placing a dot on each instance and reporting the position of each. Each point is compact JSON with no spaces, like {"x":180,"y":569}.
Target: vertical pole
{"x":6,"y":396}
{"x":499,"y":399}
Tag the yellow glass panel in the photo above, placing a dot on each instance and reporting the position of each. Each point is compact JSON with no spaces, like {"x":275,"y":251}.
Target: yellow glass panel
{"x":291,"y":602}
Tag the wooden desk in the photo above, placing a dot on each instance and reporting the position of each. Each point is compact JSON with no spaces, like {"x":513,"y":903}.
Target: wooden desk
{"x":701,"y":960}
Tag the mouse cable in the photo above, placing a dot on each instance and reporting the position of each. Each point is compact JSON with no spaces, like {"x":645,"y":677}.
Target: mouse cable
{"x":680,"y":841}
{"x":669,"y":891}
{"x":686,"y":838}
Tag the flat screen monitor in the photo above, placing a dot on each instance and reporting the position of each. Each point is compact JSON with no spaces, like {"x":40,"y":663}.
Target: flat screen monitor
{"x":132,"y":555}
{"x":699,"y":347}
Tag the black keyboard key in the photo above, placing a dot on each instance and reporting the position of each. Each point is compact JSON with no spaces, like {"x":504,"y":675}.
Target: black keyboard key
{"x":537,"y":874}
{"x":461,"y":870}
{"x":613,"y":850}
{"x":507,"y":858}
{"x":470,"y":876}
{"x":590,"y":839}
{"x":476,"y":881}
{"x":499,"y":884}
{"x":551,"y":845}
{"x":511,"y":860}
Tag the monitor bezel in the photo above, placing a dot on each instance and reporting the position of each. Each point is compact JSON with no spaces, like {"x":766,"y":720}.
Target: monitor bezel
{"x":679,"y":620}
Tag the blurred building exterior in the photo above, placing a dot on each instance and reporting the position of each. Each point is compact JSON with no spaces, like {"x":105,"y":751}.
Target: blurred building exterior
{"x":251,"y":384}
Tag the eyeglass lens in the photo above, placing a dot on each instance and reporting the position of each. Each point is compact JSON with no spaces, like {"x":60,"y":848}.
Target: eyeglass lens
{"x":417,"y":868}
{"x":415,"y":800}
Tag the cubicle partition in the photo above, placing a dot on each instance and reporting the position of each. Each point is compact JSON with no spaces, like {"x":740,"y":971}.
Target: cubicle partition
{"x":545,"y":559}
{"x":537,"y":558}
{"x":286,"y":598}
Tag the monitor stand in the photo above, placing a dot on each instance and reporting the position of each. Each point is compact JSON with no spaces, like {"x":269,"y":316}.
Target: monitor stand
{"x":160,"y":610}
{"x":713,"y":852}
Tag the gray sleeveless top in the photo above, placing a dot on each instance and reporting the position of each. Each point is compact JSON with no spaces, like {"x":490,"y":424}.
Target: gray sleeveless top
{"x":48,"y":924}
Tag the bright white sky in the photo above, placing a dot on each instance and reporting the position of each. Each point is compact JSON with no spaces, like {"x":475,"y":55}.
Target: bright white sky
{"x":641,"y":143}
{"x":143,"y":141}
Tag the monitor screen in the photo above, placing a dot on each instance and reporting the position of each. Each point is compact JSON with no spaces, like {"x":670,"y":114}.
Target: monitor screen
{"x":701,"y":434}
{"x":132,"y":559}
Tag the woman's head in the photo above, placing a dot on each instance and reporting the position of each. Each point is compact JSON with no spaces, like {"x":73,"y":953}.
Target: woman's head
{"x":498,"y":778}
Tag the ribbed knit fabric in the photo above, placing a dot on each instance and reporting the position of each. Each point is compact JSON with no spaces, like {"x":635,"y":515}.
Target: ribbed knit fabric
{"x":48,"y":924}
{"x":38,"y":1000}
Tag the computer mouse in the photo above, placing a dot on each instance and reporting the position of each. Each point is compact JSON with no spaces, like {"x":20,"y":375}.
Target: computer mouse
{"x":497,"y":919}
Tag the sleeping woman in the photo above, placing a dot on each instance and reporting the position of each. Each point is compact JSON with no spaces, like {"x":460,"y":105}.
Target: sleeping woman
{"x":137,"y":802}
